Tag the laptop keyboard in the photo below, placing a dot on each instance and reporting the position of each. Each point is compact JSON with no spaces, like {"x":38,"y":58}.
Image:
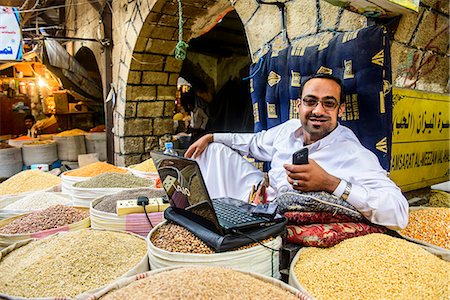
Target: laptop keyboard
{"x":233,"y":214}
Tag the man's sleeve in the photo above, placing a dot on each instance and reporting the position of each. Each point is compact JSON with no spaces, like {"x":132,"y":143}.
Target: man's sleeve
{"x":373,"y":194}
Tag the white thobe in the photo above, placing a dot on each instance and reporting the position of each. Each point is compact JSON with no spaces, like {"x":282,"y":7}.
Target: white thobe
{"x":340,"y":154}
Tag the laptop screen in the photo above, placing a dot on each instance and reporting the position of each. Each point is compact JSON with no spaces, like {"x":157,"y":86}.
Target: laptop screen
{"x":184,"y":185}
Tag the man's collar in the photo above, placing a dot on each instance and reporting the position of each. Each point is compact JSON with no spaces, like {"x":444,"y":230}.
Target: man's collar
{"x":298,"y":134}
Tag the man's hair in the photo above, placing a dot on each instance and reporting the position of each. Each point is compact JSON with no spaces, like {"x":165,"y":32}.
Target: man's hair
{"x":325,"y":76}
{"x":30,"y":117}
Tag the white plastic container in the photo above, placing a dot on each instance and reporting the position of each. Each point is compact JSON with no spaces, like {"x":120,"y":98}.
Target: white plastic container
{"x":69,"y":147}
{"x":136,"y":223}
{"x":39,"y":154}
{"x":96,"y":143}
{"x":67,"y":182}
{"x":256,"y":259}
{"x":10,"y":162}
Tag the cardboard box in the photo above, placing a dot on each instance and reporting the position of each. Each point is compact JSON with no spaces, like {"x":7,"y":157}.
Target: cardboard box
{"x":61,"y":102}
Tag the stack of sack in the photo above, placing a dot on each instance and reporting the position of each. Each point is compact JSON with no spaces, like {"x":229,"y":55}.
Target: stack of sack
{"x":320,"y":219}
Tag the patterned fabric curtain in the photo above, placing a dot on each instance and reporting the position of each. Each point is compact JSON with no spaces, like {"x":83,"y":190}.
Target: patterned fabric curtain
{"x":361,"y":59}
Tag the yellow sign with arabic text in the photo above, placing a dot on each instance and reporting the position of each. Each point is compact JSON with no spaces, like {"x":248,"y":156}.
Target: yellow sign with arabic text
{"x":420,"y":138}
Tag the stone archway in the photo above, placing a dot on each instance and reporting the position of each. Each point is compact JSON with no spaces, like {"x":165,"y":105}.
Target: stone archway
{"x":148,"y":72}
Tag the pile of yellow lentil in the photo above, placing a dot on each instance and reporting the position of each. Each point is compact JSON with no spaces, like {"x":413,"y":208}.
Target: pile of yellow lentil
{"x":72,"y":132}
{"x":70,"y":263}
{"x":28,"y":181}
{"x":200,"y":283}
{"x":431,"y":225}
{"x":145,"y":166}
{"x":95,"y":169}
{"x":375,"y":266}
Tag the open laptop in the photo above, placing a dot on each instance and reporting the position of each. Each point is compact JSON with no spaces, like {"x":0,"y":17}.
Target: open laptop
{"x":183,"y":182}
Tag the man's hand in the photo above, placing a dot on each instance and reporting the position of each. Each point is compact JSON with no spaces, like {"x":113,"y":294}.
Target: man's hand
{"x":311,"y":178}
{"x":199,"y":146}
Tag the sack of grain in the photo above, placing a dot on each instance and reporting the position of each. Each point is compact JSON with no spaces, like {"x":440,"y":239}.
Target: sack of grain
{"x":96,"y":143}
{"x":199,"y":282}
{"x":40,"y":224}
{"x":67,"y":182}
{"x":104,"y":215}
{"x":106,"y":184}
{"x":390,"y":268}
{"x":44,"y":153}
{"x":20,"y":140}
{"x":145,"y":169}
{"x":430,"y":227}
{"x":29,"y":181}
{"x":68,"y":264}
{"x":172,"y":245}
{"x":24,"y":203}
{"x":69,"y":147}
{"x":10,"y":161}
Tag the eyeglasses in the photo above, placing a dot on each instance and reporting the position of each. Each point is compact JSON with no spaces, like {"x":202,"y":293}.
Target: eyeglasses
{"x":327,"y":103}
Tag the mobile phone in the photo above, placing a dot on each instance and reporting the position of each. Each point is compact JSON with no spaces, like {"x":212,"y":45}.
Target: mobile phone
{"x":300,"y":157}
{"x":268,"y":210}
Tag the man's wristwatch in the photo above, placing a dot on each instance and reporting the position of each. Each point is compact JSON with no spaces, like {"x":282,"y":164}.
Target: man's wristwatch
{"x":347,"y":190}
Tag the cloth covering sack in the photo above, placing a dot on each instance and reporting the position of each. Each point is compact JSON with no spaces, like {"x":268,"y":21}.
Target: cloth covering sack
{"x":306,"y":217}
{"x":317,"y":202}
{"x":328,"y":235}
{"x":229,"y":241}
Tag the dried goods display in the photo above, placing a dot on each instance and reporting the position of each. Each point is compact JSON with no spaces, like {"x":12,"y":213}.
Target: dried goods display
{"x":375,"y":266}
{"x":114,"y":180}
{"x":28,"y":181}
{"x":145,"y":166}
{"x":209,"y":283}
{"x":431,"y":225}
{"x":68,"y":264}
{"x":95,"y":169}
{"x":53,"y":217}
{"x":38,"y":200}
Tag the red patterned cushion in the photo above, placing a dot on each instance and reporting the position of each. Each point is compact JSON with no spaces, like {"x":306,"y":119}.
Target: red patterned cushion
{"x":328,"y":235}
{"x":306,"y":217}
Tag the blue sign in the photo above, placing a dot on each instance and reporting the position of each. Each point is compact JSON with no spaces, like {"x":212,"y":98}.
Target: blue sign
{"x":10,"y":34}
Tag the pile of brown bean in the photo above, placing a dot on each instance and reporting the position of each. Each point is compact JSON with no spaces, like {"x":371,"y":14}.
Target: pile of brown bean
{"x":53,"y":217}
{"x":431,"y":225}
{"x":69,"y":263}
{"x":108,"y":203}
{"x":375,"y":266}
{"x":174,"y":238}
{"x":200,"y":283}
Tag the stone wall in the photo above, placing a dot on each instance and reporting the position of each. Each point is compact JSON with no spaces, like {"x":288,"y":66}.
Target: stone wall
{"x":145,"y":35}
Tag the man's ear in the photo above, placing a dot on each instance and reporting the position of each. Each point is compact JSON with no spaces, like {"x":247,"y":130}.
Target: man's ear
{"x":341,"y":109}
{"x":298,"y":103}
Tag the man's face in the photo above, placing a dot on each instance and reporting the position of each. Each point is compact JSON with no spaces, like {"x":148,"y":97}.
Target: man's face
{"x":28,"y":123}
{"x":318,"y":121}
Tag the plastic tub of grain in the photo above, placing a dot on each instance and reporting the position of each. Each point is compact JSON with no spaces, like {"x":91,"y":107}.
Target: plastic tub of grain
{"x":18,"y":205}
{"x":10,"y":160}
{"x":69,"y":178}
{"x":29,"y":181}
{"x":106,"y":184}
{"x":429,"y":226}
{"x":104,"y":215}
{"x":39,"y":152}
{"x":172,"y":245}
{"x":42,"y":223}
{"x":68,"y":264}
{"x":199,"y":282}
{"x":374,"y":266}
{"x":145,"y":169}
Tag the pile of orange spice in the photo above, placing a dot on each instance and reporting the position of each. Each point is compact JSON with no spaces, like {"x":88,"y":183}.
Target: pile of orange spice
{"x":95,"y":169}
